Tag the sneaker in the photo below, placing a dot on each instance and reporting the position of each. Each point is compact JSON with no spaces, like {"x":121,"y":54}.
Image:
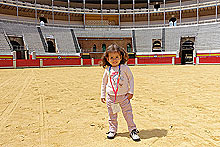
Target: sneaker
{"x":111,"y":135}
{"x":134,"y":135}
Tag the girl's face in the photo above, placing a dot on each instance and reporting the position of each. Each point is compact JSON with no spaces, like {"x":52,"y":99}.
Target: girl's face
{"x":114,"y":58}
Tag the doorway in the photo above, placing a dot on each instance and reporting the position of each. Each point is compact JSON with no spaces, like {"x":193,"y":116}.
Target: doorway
{"x":186,"y":50}
{"x":156,"y":45}
{"x":18,"y":46}
{"x":51,"y":45}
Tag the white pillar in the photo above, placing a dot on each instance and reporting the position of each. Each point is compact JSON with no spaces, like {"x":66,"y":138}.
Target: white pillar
{"x":119,"y":16}
{"x":68,"y":11}
{"x":164,"y":13}
{"x":35,"y":2}
{"x":52,"y":13}
{"x":133,"y":12}
{"x":148,"y":12}
{"x":173,"y":60}
{"x":197,"y":12}
{"x":136,"y":61}
{"x":14,"y":63}
{"x":41,"y":63}
{"x":197,"y":60}
{"x":14,"y":55}
{"x":180,"y":12}
{"x":216,"y":10}
{"x":84,"y":15}
{"x":101,"y":15}
{"x":17,"y":8}
{"x":34,"y":55}
{"x":81,"y":61}
{"x":92,"y":61}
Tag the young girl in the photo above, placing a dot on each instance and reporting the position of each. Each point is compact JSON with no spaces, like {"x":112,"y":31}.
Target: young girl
{"x":118,"y":82}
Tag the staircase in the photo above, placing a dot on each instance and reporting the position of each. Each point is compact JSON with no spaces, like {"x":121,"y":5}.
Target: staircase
{"x":76,"y":43}
{"x":42,"y":39}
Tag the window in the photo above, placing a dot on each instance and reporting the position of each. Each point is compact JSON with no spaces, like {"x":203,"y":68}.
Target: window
{"x":128,"y":47}
{"x":103,"y":47}
{"x":94,"y":48}
{"x":157,"y":46}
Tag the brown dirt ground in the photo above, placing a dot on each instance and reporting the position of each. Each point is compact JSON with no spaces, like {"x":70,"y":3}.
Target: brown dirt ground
{"x":60,"y":107}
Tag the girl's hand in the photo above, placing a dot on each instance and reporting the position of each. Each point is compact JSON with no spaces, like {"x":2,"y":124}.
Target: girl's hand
{"x":103,"y":100}
{"x":129,"y":95}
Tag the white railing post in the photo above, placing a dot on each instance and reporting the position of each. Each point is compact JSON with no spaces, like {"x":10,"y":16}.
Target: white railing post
{"x":92,"y":61}
{"x":14,"y":55}
{"x":173,"y":60}
{"x":34,"y":55}
{"x":14,"y":63}
{"x":197,"y":60}
{"x":41,"y":63}
{"x":81,"y":61}
{"x":136,"y":61}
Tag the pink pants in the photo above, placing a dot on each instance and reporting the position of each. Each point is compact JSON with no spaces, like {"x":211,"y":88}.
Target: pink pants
{"x":126,"y":110}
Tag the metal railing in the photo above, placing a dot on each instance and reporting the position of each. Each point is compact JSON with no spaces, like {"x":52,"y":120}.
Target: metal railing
{"x":37,"y":7}
{"x":107,"y":11}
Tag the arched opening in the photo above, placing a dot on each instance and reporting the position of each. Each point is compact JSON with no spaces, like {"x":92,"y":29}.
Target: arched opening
{"x":103,"y":47}
{"x":188,"y":44}
{"x":16,"y":46}
{"x":128,"y":47}
{"x":187,"y":48}
{"x":94,"y":48}
{"x":20,"y":52}
{"x":157,"y":47}
{"x":51,"y":47}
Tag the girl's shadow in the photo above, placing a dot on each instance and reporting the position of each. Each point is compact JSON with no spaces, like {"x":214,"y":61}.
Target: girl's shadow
{"x":146,"y":134}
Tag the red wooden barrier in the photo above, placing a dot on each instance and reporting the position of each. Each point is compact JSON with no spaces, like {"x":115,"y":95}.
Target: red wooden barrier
{"x":154,"y":60}
{"x":131,"y":61}
{"x":209,"y":60}
{"x":6,"y":57}
{"x":27,"y":63}
{"x":177,"y":60}
{"x":6,"y":63}
{"x":87,"y":61}
{"x":96,"y":61}
{"x":57,"y":62}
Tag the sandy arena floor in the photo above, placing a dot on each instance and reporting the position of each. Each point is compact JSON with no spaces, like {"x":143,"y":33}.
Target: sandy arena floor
{"x":60,"y":107}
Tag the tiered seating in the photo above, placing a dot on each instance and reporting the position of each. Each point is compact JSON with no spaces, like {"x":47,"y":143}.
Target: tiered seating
{"x":30,"y":35}
{"x":63,"y":38}
{"x":144,"y":39}
{"x":208,"y":37}
{"x":103,"y":33}
{"x":32,"y":38}
{"x":173,"y":36}
{"x":4,"y":46}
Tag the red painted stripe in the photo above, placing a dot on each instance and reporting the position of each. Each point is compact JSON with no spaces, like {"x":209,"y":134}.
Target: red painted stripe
{"x":97,"y":61}
{"x":87,"y":62}
{"x":6,"y":63}
{"x":209,"y":59}
{"x":28,"y":63}
{"x":154,"y":60}
{"x":131,"y":61}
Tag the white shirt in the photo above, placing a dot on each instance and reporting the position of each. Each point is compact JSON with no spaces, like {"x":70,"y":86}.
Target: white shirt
{"x":126,"y":82}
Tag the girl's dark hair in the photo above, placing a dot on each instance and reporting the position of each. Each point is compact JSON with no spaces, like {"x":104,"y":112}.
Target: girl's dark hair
{"x":113,"y":48}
